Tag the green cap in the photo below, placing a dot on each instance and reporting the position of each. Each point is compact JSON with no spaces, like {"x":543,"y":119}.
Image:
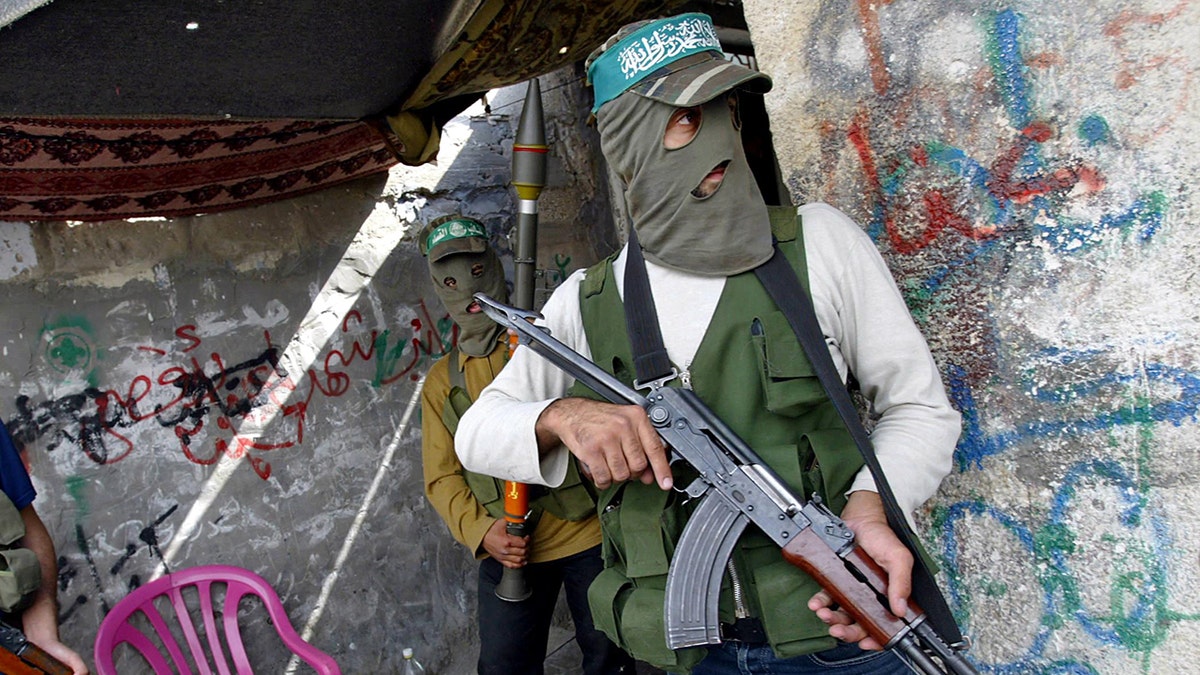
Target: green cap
{"x":452,"y":234}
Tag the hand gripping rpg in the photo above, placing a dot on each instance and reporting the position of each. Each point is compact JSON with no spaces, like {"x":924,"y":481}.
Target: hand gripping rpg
{"x":736,"y":488}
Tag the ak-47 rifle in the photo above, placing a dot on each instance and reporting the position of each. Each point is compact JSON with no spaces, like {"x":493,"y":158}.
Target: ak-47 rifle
{"x":736,"y":488}
{"x":19,"y":656}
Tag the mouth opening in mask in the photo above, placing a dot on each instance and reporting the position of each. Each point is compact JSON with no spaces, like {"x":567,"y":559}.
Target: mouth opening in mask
{"x":711,"y":182}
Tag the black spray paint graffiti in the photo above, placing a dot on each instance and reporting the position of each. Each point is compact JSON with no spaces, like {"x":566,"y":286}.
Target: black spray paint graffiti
{"x":205,"y":402}
{"x":68,"y":572}
{"x":94,"y":419}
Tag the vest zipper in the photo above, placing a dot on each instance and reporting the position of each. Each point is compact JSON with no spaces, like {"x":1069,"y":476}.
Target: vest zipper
{"x":739,"y":594}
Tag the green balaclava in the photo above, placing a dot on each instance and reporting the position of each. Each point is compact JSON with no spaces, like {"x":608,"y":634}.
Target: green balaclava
{"x":462,"y":264}
{"x":722,"y":234}
{"x":640,"y":76}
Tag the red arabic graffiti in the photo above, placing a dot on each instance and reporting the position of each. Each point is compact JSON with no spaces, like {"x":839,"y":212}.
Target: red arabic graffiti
{"x":250,"y":408}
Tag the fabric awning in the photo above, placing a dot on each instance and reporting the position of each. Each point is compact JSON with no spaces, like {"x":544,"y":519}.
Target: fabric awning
{"x":114,"y":109}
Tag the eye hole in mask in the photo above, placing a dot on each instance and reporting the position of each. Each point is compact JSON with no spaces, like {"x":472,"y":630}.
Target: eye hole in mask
{"x":682,"y":127}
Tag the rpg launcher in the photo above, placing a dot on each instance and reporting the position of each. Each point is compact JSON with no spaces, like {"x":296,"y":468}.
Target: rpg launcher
{"x":19,"y":656}
{"x":528,"y":177}
{"x":736,"y":488}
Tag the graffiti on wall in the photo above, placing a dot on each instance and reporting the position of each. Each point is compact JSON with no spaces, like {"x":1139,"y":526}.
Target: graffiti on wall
{"x":202,"y":397}
{"x":964,"y":191}
{"x":78,"y":575}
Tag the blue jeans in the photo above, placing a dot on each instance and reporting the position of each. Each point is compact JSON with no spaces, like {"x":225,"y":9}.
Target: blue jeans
{"x":746,"y":658}
{"x":512,"y":635}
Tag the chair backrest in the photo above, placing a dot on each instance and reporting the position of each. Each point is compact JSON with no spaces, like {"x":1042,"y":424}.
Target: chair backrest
{"x":121,"y":625}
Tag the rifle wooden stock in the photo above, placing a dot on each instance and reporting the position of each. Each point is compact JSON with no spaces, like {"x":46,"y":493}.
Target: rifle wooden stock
{"x":864,"y":599}
{"x":29,"y":659}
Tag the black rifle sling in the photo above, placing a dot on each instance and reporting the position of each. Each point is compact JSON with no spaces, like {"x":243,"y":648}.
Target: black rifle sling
{"x":779,"y":279}
{"x":650,"y":359}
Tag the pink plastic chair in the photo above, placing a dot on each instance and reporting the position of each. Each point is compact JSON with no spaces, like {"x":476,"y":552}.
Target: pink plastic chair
{"x":118,"y":628}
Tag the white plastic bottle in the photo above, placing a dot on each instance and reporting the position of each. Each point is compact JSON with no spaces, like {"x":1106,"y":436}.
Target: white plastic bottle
{"x":411,"y":665}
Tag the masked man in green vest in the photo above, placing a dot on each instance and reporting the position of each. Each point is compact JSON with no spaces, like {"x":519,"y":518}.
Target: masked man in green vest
{"x":564,"y":549}
{"x":29,"y":573}
{"x":666,"y":107}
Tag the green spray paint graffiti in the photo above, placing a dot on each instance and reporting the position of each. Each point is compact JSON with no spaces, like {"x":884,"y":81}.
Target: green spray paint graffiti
{"x":961,"y":229}
{"x":67,"y":348}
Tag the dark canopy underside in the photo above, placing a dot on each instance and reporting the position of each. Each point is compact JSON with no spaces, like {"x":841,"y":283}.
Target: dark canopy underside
{"x":200,"y":58}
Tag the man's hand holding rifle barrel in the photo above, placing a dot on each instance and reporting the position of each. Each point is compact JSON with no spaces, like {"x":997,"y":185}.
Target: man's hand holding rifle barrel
{"x":735,"y":488}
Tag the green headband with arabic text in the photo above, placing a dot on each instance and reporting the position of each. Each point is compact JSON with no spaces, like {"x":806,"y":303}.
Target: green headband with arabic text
{"x":454,"y":229}
{"x":647,"y":49}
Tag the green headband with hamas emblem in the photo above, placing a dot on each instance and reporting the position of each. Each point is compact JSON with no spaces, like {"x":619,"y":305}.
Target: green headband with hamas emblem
{"x":677,"y":60}
{"x":453,"y":234}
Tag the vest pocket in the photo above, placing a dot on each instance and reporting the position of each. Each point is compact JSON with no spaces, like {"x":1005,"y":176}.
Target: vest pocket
{"x":649,"y":542}
{"x":604,"y":595}
{"x":573,"y":500}
{"x":790,"y":387}
{"x":784,"y":590}
{"x":834,"y":466}
{"x":610,"y":530}
{"x":20,"y":576}
{"x":632,"y":617}
{"x":640,"y":525}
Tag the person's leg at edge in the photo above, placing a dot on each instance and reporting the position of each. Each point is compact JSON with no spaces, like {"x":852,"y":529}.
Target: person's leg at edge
{"x":600,"y":655}
{"x":512,"y":635}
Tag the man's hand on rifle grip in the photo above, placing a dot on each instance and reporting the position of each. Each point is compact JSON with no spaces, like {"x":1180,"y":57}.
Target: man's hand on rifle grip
{"x":615,"y":442}
{"x":865,"y":516}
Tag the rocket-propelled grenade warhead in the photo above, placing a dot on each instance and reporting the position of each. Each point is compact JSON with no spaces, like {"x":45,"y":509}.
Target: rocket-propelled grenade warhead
{"x":529,"y":148}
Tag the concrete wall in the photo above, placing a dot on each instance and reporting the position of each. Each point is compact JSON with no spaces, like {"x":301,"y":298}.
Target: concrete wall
{"x":1029,"y":171}
{"x":241,"y":388}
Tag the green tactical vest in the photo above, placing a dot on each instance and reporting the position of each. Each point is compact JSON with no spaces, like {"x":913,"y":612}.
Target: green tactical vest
{"x":574,"y":500}
{"x":20,"y":574}
{"x":752,"y":371}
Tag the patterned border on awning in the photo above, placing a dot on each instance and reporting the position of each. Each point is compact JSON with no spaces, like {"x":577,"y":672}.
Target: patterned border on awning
{"x":89,"y":170}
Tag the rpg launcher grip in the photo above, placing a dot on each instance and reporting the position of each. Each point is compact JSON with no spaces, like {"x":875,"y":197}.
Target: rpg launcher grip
{"x":19,"y":656}
{"x":736,"y":488}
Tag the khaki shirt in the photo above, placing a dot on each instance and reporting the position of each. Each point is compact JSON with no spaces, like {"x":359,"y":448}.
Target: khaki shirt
{"x":445,"y":486}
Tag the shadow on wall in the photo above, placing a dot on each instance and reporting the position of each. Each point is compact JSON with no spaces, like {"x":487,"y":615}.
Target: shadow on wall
{"x":241,"y":388}
{"x":248,"y":401}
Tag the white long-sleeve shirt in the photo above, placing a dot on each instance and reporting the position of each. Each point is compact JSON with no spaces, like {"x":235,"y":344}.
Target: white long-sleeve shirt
{"x":865,"y":322}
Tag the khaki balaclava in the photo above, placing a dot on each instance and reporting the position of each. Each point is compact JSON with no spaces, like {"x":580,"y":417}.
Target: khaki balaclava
{"x":723,"y":234}
{"x":462,"y":264}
